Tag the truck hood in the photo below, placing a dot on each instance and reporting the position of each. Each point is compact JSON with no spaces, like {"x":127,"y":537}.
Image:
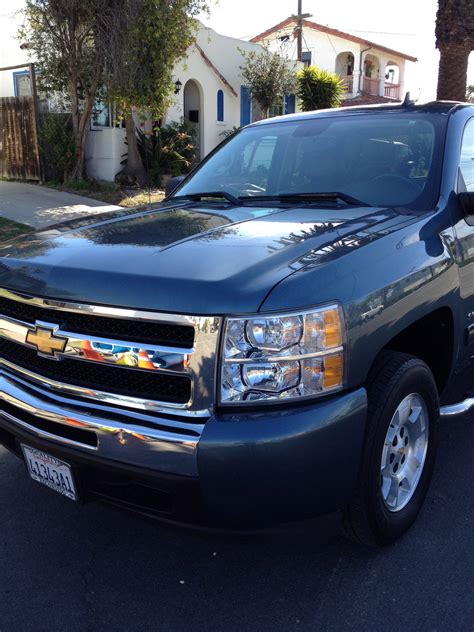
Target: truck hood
{"x":189,"y":258}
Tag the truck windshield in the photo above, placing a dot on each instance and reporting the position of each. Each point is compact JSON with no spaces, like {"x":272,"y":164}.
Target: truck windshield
{"x":388,"y":159}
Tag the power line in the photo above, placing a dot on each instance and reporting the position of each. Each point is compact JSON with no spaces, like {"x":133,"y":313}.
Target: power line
{"x":380,"y":32}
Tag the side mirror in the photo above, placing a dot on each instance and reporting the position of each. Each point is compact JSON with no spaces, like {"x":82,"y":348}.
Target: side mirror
{"x":466,"y":200}
{"x":173,"y":184}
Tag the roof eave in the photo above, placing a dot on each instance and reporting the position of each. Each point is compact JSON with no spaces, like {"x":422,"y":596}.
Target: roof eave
{"x":326,"y":29}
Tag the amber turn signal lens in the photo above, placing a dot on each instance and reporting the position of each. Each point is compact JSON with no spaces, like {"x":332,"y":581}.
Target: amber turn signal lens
{"x":333,"y":371}
{"x":332,"y":329}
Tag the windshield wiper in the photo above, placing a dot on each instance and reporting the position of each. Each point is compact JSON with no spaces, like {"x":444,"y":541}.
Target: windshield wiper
{"x":197,"y":197}
{"x":332,"y":196}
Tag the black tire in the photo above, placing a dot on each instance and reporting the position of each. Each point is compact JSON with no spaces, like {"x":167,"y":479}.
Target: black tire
{"x":394,"y":376}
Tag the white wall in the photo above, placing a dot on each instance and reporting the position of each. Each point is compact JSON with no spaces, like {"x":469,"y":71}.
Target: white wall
{"x":195,"y":69}
{"x":104,"y":150}
{"x":224,"y":54}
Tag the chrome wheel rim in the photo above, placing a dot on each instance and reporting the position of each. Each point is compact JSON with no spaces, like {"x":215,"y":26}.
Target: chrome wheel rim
{"x":404,"y":452}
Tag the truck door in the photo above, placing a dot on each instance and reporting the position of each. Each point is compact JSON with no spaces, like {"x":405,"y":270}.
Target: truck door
{"x":465,"y":234}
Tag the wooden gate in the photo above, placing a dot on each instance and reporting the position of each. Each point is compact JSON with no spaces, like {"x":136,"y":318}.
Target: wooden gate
{"x":19,"y":147}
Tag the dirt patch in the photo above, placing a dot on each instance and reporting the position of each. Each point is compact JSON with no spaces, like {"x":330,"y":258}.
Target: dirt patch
{"x":111,"y":193}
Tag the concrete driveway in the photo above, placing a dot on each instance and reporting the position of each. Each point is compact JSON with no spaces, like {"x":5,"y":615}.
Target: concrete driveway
{"x":39,"y":206}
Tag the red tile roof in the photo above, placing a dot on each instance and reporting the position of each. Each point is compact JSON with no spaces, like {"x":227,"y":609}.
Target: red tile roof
{"x":330,"y":31}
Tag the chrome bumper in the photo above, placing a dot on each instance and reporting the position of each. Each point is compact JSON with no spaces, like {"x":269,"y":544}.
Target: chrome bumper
{"x":133,"y":438}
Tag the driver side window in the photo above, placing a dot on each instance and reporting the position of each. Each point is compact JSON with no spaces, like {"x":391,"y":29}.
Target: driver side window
{"x":260,"y":160}
{"x":252,"y":163}
{"x":466,"y":165}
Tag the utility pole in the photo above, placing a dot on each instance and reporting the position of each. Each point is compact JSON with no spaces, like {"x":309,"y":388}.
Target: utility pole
{"x":299,"y":29}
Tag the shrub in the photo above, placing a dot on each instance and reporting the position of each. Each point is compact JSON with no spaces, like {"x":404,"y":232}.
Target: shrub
{"x":168,"y":150}
{"x":179,"y":149}
{"x":57,"y":146}
{"x":319,"y":89}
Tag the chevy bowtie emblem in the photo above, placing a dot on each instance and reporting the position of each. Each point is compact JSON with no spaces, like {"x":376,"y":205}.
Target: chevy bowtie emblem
{"x":45,"y":341}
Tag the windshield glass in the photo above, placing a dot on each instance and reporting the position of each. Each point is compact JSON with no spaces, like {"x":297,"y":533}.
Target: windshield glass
{"x":380,"y":159}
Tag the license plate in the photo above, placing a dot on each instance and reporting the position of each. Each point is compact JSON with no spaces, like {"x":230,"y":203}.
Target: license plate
{"x":50,"y":471}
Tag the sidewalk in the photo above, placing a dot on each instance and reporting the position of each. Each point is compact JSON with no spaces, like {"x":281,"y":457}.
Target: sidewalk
{"x":39,"y":206}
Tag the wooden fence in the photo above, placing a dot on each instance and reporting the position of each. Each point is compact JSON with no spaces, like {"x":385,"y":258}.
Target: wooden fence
{"x":19,"y":146}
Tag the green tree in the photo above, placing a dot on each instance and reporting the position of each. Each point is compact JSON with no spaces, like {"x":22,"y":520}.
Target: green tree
{"x":146,"y":39}
{"x":470,"y":93}
{"x":65,"y":40}
{"x":269,"y":78}
{"x":455,"y":41}
{"x":319,"y":89}
{"x":127,"y":47}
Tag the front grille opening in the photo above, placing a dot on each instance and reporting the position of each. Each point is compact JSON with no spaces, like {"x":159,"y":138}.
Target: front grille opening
{"x":161,"y":387}
{"x":58,"y":430}
{"x":153,"y":333}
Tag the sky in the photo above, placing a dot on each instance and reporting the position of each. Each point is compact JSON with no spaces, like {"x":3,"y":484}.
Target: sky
{"x":405,"y":25}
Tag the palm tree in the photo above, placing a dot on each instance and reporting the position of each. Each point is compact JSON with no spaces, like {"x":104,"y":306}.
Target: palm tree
{"x":455,"y":41}
{"x":319,"y":89}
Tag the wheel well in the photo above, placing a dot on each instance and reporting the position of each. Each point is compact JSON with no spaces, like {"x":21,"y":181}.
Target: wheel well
{"x":431,"y":339}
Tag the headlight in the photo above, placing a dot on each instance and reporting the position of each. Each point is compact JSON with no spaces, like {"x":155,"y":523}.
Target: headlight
{"x":282,"y":357}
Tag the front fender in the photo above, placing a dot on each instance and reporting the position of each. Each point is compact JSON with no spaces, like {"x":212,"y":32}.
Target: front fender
{"x":384,"y":283}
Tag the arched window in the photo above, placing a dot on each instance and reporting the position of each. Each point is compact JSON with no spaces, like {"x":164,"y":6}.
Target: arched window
{"x":220,"y":105}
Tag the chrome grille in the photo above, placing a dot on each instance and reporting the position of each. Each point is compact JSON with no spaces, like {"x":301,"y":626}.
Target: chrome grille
{"x":129,"y":358}
{"x":169,"y":388}
{"x":155,"y":333}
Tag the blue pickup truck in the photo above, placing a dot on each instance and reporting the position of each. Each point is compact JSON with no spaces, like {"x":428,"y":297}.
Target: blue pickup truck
{"x":277,"y":340}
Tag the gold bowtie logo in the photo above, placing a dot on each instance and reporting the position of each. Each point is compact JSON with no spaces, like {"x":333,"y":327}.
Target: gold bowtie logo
{"x":45,"y":341}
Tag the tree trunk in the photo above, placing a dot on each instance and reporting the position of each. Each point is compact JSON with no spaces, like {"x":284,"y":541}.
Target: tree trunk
{"x":452,"y":78}
{"x":81,"y":129}
{"x":134,"y":168}
{"x":75,"y":118}
{"x":78,"y":171}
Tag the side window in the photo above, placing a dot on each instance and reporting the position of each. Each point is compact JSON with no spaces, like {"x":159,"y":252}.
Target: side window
{"x":251,"y":164}
{"x":22,"y":83}
{"x":220,"y":106}
{"x":260,"y":161}
{"x":101,"y":115}
{"x":466,"y":165}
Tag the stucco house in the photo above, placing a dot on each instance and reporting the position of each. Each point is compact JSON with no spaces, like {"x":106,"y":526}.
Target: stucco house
{"x":373,"y":73}
{"x":210,"y":93}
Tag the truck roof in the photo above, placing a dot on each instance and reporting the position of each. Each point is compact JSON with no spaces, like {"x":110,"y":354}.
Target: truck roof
{"x":443,"y":107}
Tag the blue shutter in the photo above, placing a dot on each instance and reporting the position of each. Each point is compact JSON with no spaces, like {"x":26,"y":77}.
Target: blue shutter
{"x":220,"y":105}
{"x":245,"y":106}
{"x":290,"y":104}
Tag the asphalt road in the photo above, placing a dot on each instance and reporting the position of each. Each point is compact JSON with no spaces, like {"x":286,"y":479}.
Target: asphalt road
{"x":77,"y":568}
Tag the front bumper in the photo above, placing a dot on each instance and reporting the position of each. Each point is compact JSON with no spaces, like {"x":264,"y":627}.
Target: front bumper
{"x":238,"y":470}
